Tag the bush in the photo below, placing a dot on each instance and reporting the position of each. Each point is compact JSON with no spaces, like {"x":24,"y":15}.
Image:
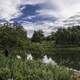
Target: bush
{"x":18,"y":69}
{"x":4,"y":73}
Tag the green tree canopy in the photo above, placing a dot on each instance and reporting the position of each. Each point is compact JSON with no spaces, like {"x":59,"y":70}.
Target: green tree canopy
{"x":38,"y":36}
{"x":12,"y":37}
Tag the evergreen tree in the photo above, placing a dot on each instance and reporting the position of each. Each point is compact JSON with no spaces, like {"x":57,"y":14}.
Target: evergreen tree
{"x":37,"y":36}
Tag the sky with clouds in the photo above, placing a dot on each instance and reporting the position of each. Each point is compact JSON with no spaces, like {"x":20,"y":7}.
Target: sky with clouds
{"x":38,"y":14}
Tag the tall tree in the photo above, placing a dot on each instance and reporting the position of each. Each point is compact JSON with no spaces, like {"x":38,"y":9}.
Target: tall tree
{"x":11,"y":37}
{"x":51,"y":37}
{"x":38,"y":36}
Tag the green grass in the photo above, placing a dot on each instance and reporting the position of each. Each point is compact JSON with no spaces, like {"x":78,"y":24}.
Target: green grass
{"x":18,"y":69}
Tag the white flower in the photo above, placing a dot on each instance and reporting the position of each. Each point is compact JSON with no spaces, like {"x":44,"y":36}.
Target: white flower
{"x":48,"y":61}
{"x":18,"y":57}
{"x":45,"y":59}
{"x":10,"y":79}
{"x":52,"y":61}
{"x":29,"y":57}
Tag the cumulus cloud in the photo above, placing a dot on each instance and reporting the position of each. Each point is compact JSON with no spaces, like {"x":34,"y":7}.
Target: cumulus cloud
{"x":66,"y":8}
{"x":11,"y":8}
{"x":33,"y":1}
{"x":47,"y":12}
{"x":62,"y":8}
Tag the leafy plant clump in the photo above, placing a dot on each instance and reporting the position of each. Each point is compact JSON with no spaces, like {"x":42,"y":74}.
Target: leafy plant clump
{"x":18,"y":69}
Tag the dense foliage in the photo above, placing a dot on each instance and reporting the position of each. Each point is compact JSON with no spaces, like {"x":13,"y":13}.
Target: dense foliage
{"x":18,"y":69}
{"x":37,"y":36}
{"x":12,"y":37}
{"x":63,"y":46}
{"x":69,"y":36}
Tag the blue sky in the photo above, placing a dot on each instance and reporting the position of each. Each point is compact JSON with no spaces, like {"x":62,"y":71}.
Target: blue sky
{"x":38,"y":14}
{"x":31,"y":14}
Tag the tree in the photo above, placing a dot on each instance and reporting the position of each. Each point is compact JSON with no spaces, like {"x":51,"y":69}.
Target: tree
{"x":11,"y":38}
{"x":51,"y":37}
{"x":68,"y":36}
{"x":37,"y":36}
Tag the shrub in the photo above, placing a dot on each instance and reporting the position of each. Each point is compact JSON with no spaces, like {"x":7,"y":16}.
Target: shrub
{"x":18,"y":69}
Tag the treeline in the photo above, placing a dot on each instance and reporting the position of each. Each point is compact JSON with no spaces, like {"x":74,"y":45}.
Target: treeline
{"x":63,"y":46}
{"x":63,"y":36}
{"x":68,"y":36}
{"x":13,"y":39}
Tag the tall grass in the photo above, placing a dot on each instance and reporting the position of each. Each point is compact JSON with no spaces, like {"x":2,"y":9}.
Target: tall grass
{"x":18,"y":69}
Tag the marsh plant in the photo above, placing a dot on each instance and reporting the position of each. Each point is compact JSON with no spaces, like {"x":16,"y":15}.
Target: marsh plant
{"x":18,"y":69}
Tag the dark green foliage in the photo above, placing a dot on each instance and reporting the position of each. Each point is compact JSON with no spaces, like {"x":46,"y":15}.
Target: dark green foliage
{"x":69,"y":36}
{"x":11,"y":38}
{"x":36,"y":50}
{"x":50,"y":37}
{"x":37,"y":36}
{"x":69,"y":57}
{"x":60,"y":45}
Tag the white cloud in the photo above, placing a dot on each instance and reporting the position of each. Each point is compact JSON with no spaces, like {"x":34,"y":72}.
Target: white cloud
{"x":29,"y":27}
{"x":46,"y":27}
{"x":10,"y":8}
{"x":63,"y":9}
{"x":66,"y":8}
{"x":32,"y":1}
{"x":48,"y":12}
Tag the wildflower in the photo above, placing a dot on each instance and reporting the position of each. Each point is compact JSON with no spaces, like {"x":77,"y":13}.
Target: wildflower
{"x":10,"y":79}
{"x":47,"y":60}
{"x":29,"y":57}
{"x":18,"y":57}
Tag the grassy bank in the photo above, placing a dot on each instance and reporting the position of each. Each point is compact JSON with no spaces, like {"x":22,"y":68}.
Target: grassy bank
{"x":18,"y":69}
